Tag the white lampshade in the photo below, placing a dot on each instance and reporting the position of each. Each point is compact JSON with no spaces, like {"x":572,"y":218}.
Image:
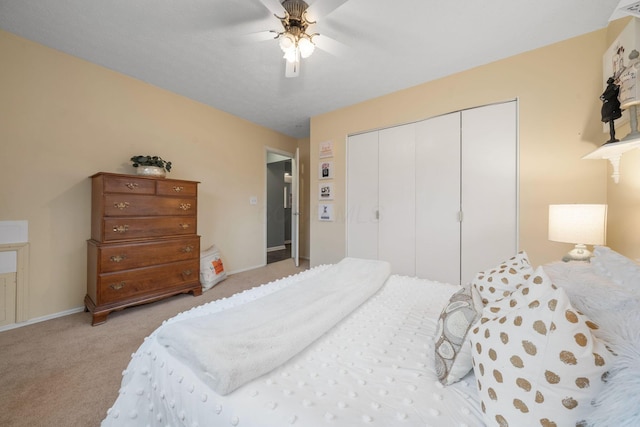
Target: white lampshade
{"x":578,"y":224}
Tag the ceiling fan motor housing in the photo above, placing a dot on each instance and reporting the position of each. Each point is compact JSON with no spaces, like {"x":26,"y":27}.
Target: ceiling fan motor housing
{"x":295,"y":8}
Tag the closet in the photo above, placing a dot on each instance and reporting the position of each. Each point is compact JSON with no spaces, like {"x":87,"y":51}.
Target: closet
{"x":436,"y":198}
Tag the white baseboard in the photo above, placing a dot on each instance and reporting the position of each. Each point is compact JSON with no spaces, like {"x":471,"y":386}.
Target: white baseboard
{"x":41,"y":319}
{"x":276,"y":248}
{"x":245,"y":269}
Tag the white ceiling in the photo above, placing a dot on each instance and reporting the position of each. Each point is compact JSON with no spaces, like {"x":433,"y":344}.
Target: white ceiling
{"x":203,"y":49}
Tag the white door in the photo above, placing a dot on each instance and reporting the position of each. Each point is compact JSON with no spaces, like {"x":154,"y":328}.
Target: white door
{"x":397,"y":189}
{"x":295,"y":208}
{"x":438,"y":198}
{"x":362,"y":196}
{"x":489,"y":187}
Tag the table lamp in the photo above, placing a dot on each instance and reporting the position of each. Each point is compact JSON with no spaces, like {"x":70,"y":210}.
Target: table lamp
{"x":579,"y":224}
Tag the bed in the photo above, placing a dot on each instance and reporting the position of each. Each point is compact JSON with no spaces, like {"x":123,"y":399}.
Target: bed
{"x":406,"y":351}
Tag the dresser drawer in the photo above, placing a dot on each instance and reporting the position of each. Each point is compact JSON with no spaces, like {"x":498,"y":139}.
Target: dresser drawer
{"x":177,"y":188}
{"x":118,"y":257}
{"x":121,"y":229}
{"x":114,"y":287}
{"x":133,"y":205}
{"x":127,"y":184}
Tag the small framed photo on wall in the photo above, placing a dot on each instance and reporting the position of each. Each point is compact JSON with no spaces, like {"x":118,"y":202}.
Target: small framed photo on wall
{"x":325,"y":191}
{"x":326,"y":149}
{"x":325,"y":170}
{"x":325,"y":212}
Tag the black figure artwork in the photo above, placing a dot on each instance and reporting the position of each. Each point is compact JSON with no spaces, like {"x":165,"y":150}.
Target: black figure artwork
{"x":611,"y":107}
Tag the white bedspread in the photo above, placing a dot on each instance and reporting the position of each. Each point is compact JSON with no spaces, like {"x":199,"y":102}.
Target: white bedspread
{"x":375,"y":368}
{"x":230,"y":348}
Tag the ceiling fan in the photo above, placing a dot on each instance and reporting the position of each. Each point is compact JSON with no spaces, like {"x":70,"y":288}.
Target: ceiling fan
{"x":295,"y":42}
{"x":294,"y":39}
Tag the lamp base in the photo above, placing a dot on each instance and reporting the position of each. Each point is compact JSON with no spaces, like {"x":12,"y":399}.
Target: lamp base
{"x":579,"y":253}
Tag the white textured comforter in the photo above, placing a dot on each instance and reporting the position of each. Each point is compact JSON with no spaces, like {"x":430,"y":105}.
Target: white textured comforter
{"x":375,"y":368}
{"x":230,"y":348}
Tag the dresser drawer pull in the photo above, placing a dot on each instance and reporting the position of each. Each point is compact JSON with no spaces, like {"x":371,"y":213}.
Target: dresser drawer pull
{"x":187,"y":249}
{"x":118,"y":258}
{"x":178,"y":189}
{"x":117,"y":286}
{"x":185,"y":206}
{"x":184,"y":226}
{"x":120,"y":228}
{"x":131,"y":185}
{"x":187,"y":272}
{"x":121,"y":205}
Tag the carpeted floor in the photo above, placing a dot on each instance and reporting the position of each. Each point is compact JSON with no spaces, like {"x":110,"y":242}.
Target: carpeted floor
{"x":64,"y":372}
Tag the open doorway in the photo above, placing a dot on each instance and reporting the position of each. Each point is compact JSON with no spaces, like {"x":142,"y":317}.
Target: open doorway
{"x":280,"y":206}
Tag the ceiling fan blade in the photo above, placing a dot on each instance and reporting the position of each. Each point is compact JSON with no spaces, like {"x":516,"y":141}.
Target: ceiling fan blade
{"x":259,"y":36}
{"x":321,"y":8}
{"x":237,"y":29}
{"x":274,"y":6}
{"x":330,"y":45}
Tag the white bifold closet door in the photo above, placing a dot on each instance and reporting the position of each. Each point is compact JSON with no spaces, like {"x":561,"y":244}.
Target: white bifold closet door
{"x":397,"y":188}
{"x":381,"y":197}
{"x":362,"y":196}
{"x":436,"y":198}
{"x":489,"y":187}
{"x":438,"y":179}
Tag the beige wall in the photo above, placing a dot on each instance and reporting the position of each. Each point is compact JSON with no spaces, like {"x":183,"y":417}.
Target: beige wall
{"x":63,"y":119}
{"x":623,"y":233}
{"x":558,"y":89}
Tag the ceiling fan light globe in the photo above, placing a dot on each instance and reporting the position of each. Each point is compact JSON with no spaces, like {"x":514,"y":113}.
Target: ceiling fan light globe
{"x":287,"y":42}
{"x":306,"y":47}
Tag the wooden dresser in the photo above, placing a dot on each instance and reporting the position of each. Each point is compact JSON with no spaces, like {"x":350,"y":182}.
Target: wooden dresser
{"x":143,"y":243}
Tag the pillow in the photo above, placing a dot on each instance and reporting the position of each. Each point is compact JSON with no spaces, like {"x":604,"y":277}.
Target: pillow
{"x":616,"y":310}
{"x":452,"y":349}
{"x":503,"y":279}
{"x":536,"y":359}
{"x":619,"y":404}
{"x":618,"y":268}
{"x":593,"y":294}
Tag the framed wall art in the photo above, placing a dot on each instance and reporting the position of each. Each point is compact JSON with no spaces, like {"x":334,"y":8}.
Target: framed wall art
{"x":325,"y":170}
{"x":325,"y":191}
{"x":325,"y":212}
{"x":326,"y":149}
{"x":617,"y":63}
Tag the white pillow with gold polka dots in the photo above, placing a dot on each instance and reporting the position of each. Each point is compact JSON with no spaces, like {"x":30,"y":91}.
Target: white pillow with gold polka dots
{"x":535,"y":358}
{"x":500,"y":281}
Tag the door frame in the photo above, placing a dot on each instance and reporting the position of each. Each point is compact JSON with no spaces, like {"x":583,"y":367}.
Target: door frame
{"x":296,"y":239}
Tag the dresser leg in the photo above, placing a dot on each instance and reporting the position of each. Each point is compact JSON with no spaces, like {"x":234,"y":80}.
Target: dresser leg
{"x":99,"y":318}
